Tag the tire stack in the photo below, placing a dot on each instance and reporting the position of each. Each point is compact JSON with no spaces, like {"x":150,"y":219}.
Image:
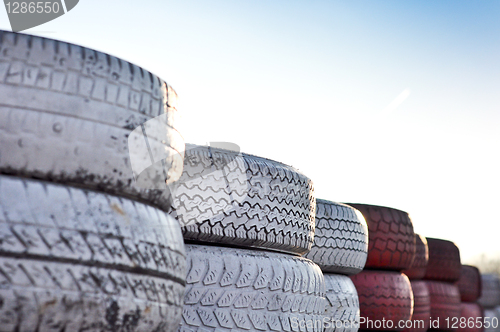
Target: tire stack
{"x":443,"y":270}
{"x":421,"y":298}
{"x":82,"y":248}
{"x":471,"y":312}
{"x":246,"y":220}
{"x":340,"y":249}
{"x":490,"y":301}
{"x":385,"y":294}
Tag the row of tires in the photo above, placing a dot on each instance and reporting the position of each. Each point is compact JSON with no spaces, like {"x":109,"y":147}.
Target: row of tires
{"x":110,"y":222}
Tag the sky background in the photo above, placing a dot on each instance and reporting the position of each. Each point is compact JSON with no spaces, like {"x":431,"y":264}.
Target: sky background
{"x":393,"y":103}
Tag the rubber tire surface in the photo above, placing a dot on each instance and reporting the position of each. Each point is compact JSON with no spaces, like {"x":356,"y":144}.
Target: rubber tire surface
{"x":490,"y":293}
{"x":243,"y":200}
{"x":383,"y":295}
{"x":469,"y":283}
{"x":445,"y":302}
{"x":248,"y":290}
{"x":471,"y":311}
{"x":419,"y":264}
{"x":73,"y":260}
{"x":66,"y":113}
{"x":421,"y":307}
{"x":340,"y":238}
{"x":391,"y":244}
{"x":444,"y":261}
{"x":342,"y":304}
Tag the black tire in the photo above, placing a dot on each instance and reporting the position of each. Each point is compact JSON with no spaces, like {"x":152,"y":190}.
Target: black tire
{"x":340,"y":238}
{"x":68,"y":113}
{"x":490,"y":291}
{"x":242,"y":200}
{"x":391,"y":244}
{"x":342,"y":304}
{"x":74,"y":259}
{"x":237,"y":289}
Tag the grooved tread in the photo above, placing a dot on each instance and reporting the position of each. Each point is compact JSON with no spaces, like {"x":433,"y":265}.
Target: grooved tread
{"x":469,"y":283}
{"x":340,"y":238}
{"x":421,"y":307}
{"x":419,"y":264}
{"x":243,"y":200}
{"x":444,"y":261}
{"x":239,"y":290}
{"x":342,"y":304}
{"x":391,"y":244}
{"x":445,"y":302}
{"x":66,"y":113}
{"x":384,"y":295}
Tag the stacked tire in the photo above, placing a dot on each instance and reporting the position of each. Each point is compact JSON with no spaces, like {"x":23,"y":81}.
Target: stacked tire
{"x":385,"y":293}
{"x":82,"y":246}
{"x":443,"y":270}
{"x":340,"y":249}
{"x":471,"y":313}
{"x":490,"y":301}
{"x":246,"y":220}
{"x":421,"y":318}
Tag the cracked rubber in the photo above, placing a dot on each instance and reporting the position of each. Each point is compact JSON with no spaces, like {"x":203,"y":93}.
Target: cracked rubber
{"x":340,"y":238}
{"x":445,"y":303}
{"x":383,"y":295}
{"x":231,"y":198}
{"x":391,"y":244}
{"x":67,"y":112}
{"x":342,"y":304}
{"x":444,"y":261}
{"x":469,"y":283}
{"x":490,"y":293}
{"x":419,"y":264}
{"x":421,"y":307}
{"x":248,"y":290}
{"x":79,"y":260}
{"x":470,"y":312}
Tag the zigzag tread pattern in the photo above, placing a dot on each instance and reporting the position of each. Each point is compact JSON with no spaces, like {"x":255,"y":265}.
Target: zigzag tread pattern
{"x":342,"y":304}
{"x":340,"y":238}
{"x":52,"y":296}
{"x":240,"y":290}
{"x":243,"y":200}
{"x":51,"y":222}
{"x":391,"y":244}
{"x":383,"y":295}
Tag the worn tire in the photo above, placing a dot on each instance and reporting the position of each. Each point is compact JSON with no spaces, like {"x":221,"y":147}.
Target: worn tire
{"x":342,"y":304}
{"x":470,"y":312}
{"x":444,"y":261}
{"x":340,"y":238}
{"x":383,"y":295}
{"x":445,"y":303}
{"x":74,"y":259}
{"x":237,"y":289}
{"x":391,"y":244}
{"x":469,"y":283}
{"x":421,"y":308}
{"x":68,"y":113}
{"x":419,"y":264}
{"x":246,"y":201}
{"x":490,"y":293}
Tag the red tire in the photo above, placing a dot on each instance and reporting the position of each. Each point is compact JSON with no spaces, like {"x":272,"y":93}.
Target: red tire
{"x":384,"y":296}
{"x":444,"y":261}
{"x":469,"y":283}
{"x":419,"y":264}
{"x":391,"y":240}
{"x":490,"y":292}
{"x":471,"y":319}
{"x":421,"y":317}
{"x":445,"y":304}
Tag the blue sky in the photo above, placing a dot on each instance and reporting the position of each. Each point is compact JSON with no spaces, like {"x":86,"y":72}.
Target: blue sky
{"x":394,"y":103}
